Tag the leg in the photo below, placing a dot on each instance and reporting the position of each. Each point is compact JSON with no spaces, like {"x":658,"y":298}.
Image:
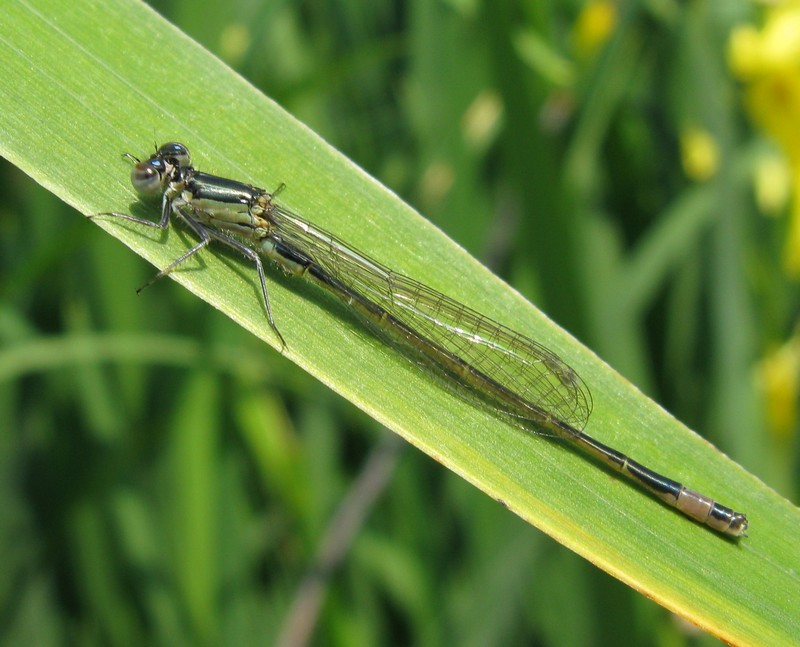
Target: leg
{"x":253,"y":256}
{"x":205,"y":239}
{"x":166,"y":209}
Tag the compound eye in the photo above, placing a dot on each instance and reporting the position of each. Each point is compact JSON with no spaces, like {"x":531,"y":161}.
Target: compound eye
{"x":149,"y":178}
{"x":175,"y":152}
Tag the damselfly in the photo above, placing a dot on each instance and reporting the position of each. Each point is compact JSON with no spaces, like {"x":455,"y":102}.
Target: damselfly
{"x":488,"y":362}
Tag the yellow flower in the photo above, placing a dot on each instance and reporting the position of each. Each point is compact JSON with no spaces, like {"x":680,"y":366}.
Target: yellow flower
{"x":768,"y":62}
{"x":779,"y":379}
{"x":594,"y":26}
{"x":699,"y":153}
{"x":772,"y":184}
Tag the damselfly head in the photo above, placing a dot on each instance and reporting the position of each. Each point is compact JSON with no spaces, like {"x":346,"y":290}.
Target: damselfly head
{"x":151,"y":176}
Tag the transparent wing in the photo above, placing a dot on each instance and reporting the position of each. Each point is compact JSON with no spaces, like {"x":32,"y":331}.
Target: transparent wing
{"x":515,"y":362}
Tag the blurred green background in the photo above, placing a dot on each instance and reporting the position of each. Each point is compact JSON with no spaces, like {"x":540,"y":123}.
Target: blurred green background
{"x":197,"y":498}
